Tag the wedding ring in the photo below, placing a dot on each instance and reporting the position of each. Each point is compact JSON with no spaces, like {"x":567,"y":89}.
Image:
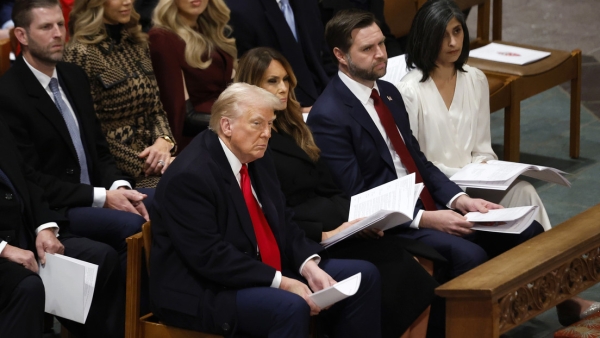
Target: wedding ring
{"x":161,"y":163}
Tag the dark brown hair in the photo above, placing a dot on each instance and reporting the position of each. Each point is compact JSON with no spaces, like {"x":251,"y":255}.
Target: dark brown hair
{"x":21,"y":14}
{"x":338,"y":31}
{"x":251,"y":69}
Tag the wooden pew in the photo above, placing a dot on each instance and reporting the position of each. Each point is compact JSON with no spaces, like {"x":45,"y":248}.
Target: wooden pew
{"x":525,"y":281}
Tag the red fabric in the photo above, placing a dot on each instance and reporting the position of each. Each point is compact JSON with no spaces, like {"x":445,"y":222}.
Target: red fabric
{"x":267,"y":245}
{"x":392,"y":131}
{"x":585,"y":328}
{"x":66,"y":5}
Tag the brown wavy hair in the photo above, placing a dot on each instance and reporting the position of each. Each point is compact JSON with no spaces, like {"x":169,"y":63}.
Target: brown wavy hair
{"x":251,"y":69}
{"x":86,"y":23}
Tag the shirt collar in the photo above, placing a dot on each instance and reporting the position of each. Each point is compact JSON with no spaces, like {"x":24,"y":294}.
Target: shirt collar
{"x":234,"y":162}
{"x":42,"y":78}
{"x":362,"y":92}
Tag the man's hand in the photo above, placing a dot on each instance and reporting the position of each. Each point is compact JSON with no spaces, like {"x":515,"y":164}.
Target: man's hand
{"x":158,"y":157}
{"x":315,"y":276}
{"x":126,"y":200}
{"x":20,"y":256}
{"x":466,"y":204}
{"x":446,"y":221}
{"x":299,"y":288}
{"x":46,"y":241}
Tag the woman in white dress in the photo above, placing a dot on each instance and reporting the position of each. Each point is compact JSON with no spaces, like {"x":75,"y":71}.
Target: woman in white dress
{"x":448,"y":103}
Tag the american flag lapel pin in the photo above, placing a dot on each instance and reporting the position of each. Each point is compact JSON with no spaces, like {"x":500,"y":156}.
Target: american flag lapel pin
{"x":389,"y":98}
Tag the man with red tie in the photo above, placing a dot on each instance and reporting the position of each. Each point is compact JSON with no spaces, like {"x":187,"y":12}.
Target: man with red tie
{"x":226,"y":257}
{"x":362,"y":128}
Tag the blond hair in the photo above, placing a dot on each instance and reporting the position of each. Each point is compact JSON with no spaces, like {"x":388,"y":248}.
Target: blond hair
{"x":237,"y":99}
{"x":212,"y":31}
{"x":86,"y":23}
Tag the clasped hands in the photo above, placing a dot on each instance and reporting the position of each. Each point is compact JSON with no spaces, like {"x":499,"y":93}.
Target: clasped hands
{"x":317,"y":280}
{"x":453,"y":223}
{"x":127,"y":200}
{"x":45,"y":242}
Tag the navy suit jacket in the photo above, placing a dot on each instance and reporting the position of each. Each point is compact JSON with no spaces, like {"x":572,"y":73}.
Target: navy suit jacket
{"x":356,"y":152}
{"x":204,"y":247}
{"x":44,"y":140}
{"x":260,"y":23}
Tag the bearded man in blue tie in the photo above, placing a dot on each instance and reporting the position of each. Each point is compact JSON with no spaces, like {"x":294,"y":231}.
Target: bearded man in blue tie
{"x":226,"y":256}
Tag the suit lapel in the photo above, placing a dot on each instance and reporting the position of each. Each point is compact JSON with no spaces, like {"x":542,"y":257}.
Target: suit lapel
{"x":401,"y":119}
{"x":43,"y":103}
{"x":234,"y":191}
{"x":358,"y":112}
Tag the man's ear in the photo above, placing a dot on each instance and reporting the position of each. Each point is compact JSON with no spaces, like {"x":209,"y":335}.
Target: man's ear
{"x":21,"y":35}
{"x":340,"y":56}
{"x":225,"y":126}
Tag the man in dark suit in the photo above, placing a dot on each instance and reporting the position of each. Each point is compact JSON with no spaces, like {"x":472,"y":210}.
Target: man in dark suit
{"x":226,"y":256}
{"x":29,"y":230}
{"x":262,"y":23}
{"x":48,"y":107}
{"x":362,"y":128}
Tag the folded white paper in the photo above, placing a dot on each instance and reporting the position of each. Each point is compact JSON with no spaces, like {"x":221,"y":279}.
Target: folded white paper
{"x":337,"y":292}
{"x":507,"y":220}
{"x":383,"y":207}
{"x":499,"y":175}
{"x":69,"y":285}
{"x":508,"y":54}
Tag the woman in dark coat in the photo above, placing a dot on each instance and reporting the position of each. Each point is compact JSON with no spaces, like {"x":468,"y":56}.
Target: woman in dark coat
{"x":320,"y":207}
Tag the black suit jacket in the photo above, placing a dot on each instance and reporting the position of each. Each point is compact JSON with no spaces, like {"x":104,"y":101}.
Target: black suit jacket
{"x":204,"y":247}
{"x":260,"y":23}
{"x":22,"y":211}
{"x":356,"y":152}
{"x":43,"y":138}
{"x":318,"y":204}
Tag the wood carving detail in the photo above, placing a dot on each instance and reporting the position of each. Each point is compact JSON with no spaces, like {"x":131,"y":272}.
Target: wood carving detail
{"x":557,"y":285}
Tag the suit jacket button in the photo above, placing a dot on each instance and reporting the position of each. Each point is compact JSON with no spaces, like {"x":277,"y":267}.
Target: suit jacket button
{"x":8,"y":238}
{"x":70,"y":171}
{"x":225,"y":327}
{"x":8,"y":196}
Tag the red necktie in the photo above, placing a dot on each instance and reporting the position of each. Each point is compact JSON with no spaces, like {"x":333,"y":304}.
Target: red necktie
{"x":267,"y":245}
{"x":387,"y":120}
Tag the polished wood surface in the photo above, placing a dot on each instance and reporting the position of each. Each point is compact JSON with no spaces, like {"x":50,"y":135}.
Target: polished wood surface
{"x":525,"y":281}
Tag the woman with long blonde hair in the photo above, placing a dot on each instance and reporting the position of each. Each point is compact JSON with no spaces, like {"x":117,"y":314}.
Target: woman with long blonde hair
{"x":108,"y":43}
{"x":194,"y":60}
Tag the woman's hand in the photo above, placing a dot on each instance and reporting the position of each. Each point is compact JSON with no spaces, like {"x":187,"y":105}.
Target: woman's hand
{"x":328,"y":234}
{"x":158,"y":157}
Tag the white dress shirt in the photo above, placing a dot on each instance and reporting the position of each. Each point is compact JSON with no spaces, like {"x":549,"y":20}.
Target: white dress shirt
{"x":363,"y":94}
{"x":236,"y":165}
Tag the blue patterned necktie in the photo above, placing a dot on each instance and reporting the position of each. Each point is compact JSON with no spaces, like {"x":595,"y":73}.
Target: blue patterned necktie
{"x":73,"y":130}
{"x":289,"y":16}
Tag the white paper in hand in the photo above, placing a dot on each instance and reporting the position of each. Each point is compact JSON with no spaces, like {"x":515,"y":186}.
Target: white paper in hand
{"x":337,"y":292}
{"x":69,"y":284}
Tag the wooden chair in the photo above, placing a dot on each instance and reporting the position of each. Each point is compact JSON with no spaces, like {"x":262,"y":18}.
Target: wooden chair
{"x":525,"y":281}
{"x":531,"y":79}
{"x":147,"y":325}
{"x":4,"y":55}
{"x":402,"y":13}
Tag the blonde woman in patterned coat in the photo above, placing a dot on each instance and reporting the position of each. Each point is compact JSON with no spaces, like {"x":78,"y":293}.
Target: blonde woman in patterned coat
{"x":108,"y":43}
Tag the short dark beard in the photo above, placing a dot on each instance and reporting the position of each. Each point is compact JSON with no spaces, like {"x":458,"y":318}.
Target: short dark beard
{"x":41,"y":53}
{"x":361,"y":73}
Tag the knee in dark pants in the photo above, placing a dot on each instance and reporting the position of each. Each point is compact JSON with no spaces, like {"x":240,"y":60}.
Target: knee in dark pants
{"x":31,"y":292}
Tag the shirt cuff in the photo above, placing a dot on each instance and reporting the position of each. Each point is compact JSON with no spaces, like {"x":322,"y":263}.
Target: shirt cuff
{"x":120,"y":183}
{"x":276,"y":280}
{"x":449,"y":205}
{"x":415,"y":223}
{"x":2,"y":246}
{"x":99,"y":197}
{"x":317,"y":259}
{"x":48,"y":226}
